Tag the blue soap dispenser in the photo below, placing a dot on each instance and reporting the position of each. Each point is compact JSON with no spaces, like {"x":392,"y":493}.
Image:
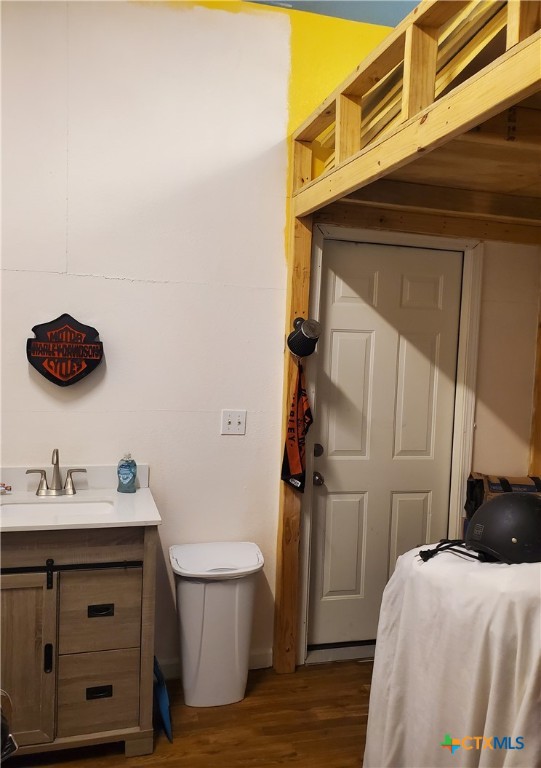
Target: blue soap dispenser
{"x":127,"y":472}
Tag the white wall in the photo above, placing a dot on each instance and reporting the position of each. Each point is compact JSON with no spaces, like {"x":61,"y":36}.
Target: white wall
{"x":506,"y":362}
{"x":144,"y":180}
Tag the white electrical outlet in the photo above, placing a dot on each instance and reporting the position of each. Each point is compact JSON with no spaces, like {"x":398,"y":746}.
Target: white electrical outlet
{"x":233,"y":422}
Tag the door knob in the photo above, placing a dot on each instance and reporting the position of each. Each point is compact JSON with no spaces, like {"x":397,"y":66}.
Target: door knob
{"x":318,"y":478}
{"x":318,"y":450}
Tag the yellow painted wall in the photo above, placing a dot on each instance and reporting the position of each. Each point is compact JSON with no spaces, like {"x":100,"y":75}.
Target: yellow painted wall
{"x":324,"y":51}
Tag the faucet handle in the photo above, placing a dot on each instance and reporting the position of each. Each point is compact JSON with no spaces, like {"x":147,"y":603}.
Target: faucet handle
{"x":69,"y":488}
{"x":42,"y":485}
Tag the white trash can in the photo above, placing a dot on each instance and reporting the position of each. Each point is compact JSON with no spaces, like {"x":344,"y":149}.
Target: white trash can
{"x":215,"y":585}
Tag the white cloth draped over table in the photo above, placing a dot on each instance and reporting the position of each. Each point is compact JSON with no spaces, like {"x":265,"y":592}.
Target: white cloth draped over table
{"x":458,"y":653}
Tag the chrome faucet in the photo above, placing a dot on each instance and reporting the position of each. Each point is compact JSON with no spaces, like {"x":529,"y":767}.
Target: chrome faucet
{"x":56,"y":482}
{"x":56,"y":488}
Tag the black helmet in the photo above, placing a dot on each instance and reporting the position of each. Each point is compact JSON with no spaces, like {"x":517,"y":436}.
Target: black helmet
{"x":507,"y":528}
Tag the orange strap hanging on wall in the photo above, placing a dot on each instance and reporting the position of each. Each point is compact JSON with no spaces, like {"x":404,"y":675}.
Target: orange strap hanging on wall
{"x":298,"y":424}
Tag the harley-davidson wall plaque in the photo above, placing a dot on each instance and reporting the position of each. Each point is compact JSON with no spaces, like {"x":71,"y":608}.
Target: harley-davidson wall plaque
{"x":64,"y":350}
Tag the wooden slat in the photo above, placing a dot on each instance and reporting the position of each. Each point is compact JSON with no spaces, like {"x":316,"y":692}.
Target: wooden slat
{"x":504,"y":169}
{"x":376,"y":67}
{"x":420,"y":58}
{"x":469,"y":51}
{"x":467,"y":24}
{"x":516,"y":127}
{"x":464,"y":202}
{"x":491,"y":91}
{"x":523,"y":19}
{"x":381,"y":108}
{"x":380,"y":218}
{"x":287,"y":553}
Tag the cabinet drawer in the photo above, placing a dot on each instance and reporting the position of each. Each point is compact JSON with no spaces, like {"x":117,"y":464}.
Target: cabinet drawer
{"x":98,"y":692}
{"x":100,"y":610}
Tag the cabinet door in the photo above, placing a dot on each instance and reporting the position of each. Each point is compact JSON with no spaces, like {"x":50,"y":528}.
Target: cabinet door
{"x":28,"y":654}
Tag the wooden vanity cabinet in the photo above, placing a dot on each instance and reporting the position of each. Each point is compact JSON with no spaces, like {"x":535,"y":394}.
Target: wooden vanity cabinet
{"x":78,"y":636}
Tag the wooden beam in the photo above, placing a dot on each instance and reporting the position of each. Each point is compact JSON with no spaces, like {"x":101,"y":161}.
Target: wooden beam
{"x":302,"y":163}
{"x":348,"y":127}
{"x":425,"y":223}
{"x":535,"y":440}
{"x":429,"y":198}
{"x":491,"y":91}
{"x":286,"y":612}
{"x":523,"y":19}
{"x":436,"y":14}
{"x":419,"y":81}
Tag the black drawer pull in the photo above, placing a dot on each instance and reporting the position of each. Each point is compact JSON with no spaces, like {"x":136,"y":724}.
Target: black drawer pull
{"x":99,"y":692}
{"x":48,"y":657}
{"x":104,"y":609}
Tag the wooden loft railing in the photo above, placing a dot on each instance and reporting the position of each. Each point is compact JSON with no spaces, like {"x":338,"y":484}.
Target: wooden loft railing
{"x":417,"y":91}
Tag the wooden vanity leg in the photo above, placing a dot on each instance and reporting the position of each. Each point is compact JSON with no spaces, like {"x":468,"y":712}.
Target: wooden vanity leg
{"x":141,"y":744}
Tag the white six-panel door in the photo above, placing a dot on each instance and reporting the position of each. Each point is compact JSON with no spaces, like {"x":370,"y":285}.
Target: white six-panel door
{"x":384,"y":398}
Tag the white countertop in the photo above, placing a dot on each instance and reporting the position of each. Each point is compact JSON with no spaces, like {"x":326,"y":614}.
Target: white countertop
{"x":92,"y":508}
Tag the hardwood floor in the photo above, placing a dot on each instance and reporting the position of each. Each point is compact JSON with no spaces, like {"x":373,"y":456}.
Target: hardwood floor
{"x":315,"y":718}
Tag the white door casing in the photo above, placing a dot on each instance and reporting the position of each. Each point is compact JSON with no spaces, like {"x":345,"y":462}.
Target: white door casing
{"x":386,"y":370}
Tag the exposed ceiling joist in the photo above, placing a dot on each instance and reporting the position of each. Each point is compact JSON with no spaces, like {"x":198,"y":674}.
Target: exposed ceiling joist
{"x":464,"y":202}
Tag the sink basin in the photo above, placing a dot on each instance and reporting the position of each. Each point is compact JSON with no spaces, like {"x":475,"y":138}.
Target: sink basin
{"x":56,"y":512}
{"x":46,"y":507}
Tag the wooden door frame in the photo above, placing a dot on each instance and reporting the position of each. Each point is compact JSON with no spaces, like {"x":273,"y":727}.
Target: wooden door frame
{"x":290,"y":595}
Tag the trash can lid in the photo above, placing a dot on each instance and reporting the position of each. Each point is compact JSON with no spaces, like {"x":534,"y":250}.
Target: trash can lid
{"x":216,"y":560}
